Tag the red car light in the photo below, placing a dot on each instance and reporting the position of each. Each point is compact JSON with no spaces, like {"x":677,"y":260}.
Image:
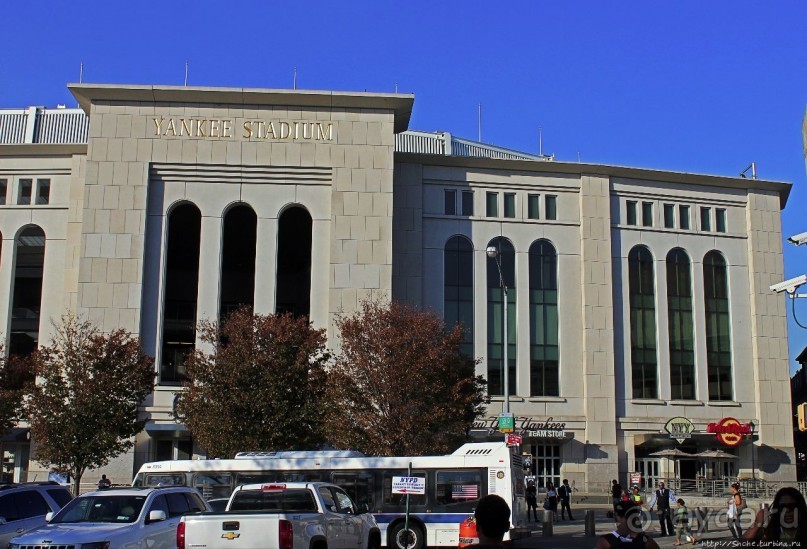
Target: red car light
{"x":285,"y":535}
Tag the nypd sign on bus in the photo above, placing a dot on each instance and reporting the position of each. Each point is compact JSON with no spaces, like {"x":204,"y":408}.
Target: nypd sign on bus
{"x":408,"y":485}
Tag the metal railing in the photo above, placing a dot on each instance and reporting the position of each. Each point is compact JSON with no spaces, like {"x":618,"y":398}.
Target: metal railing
{"x":758,"y":489}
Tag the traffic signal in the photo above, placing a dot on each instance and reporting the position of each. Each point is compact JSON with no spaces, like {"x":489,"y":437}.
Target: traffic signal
{"x":802,"y":413}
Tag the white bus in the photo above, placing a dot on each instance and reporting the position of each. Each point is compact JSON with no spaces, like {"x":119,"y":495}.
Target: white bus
{"x":454,"y":484}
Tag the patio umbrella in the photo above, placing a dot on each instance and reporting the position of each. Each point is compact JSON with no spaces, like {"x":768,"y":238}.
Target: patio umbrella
{"x":715,"y":454}
{"x":673,"y":453}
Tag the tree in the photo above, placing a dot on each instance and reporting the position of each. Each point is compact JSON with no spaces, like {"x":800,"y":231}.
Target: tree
{"x":401,"y":385}
{"x":83,"y":409}
{"x":260,"y":388}
{"x":15,"y":373}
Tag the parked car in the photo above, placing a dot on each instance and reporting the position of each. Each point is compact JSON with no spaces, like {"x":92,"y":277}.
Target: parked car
{"x":23,"y":506}
{"x":116,"y":518}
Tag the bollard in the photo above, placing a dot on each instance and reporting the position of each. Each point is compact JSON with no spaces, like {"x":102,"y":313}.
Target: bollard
{"x":546,"y":524}
{"x":591,"y":529}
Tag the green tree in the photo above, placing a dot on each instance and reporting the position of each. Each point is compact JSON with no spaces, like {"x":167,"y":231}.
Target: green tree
{"x":15,"y":374}
{"x":83,"y":409}
{"x":261,"y":386}
{"x":401,"y":386}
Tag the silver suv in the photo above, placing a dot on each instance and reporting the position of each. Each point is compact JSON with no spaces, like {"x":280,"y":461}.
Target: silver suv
{"x":116,"y":518}
{"x":23,"y":506}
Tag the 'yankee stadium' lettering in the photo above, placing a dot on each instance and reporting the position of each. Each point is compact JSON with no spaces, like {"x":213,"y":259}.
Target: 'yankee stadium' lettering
{"x":252,"y":130}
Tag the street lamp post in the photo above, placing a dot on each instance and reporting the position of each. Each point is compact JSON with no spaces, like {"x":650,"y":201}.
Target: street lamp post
{"x":494,"y":254}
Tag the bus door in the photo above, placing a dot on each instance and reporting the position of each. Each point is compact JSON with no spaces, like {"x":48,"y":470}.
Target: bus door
{"x":360,"y":485}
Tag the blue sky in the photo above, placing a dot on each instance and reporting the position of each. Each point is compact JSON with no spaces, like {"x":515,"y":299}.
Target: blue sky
{"x":689,"y":85}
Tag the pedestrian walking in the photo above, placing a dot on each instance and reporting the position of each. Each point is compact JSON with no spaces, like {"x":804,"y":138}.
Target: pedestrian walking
{"x":104,"y":483}
{"x":565,"y":497}
{"x":552,"y":500}
{"x":736,"y":505}
{"x":784,"y":525}
{"x":532,"y":500}
{"x":682,"y":523}
{"x":662,"y":499}
{"x":629,"y":531}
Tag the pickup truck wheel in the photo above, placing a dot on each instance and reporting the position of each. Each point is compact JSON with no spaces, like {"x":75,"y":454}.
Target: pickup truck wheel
{"x":413,"y":539}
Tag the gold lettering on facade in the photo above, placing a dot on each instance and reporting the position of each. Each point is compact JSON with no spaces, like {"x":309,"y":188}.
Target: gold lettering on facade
{"x":172,"y":128}
{"x":223,"y":128}
{"x":270,"y":130}
{"x":185,"y":127}
{"x":321,"y":132}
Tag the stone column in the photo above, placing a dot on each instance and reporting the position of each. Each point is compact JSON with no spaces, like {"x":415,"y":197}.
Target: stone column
{"x":769,"y":338}
{"x":597,"y":345}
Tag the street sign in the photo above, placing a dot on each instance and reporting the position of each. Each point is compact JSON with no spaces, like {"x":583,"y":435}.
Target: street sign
{"x":507,"y":423}
{"x":513,"y":440}
{"x":408,"y":485}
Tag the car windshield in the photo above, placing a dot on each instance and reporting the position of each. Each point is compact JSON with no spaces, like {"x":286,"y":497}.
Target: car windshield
{"x":101,"y":508}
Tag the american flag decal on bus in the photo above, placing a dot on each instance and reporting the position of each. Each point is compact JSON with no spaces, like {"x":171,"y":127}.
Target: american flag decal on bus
{"x":464,"y":491}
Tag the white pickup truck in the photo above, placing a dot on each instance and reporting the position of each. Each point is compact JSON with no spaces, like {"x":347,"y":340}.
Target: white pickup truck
{"x":294,"y":515}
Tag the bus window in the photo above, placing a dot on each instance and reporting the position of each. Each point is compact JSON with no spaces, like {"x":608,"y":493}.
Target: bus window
{"x":165,"y":479}
{"x":213,"y":485}
{"x":302,"y":476}
{"x":460,"y":487}
{"x":258,"y":477}
{"x":359,"y":485}
{"x":400,"y":499}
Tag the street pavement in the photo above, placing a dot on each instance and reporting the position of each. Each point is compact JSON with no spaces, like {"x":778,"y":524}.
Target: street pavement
{"x":571,"y":533}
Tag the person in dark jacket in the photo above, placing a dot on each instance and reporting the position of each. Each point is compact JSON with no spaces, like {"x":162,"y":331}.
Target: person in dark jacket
{"x":662,"y":498}
{"x":532,"y":500}
{"x":616,"y":493}
{"x":565,"y":497}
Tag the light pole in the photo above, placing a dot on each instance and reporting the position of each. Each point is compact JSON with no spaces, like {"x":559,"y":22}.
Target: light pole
{"x":494,"y":254}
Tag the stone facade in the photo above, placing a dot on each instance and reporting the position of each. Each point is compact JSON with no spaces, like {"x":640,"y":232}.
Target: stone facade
{"x":379,"y":229}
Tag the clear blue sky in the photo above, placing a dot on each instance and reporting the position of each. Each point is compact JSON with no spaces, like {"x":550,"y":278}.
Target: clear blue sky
{"x":695,"y":86}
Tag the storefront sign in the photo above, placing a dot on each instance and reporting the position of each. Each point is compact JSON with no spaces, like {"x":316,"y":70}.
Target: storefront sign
{"x":730,"y":431}
{"x":635,"y":478}
{"x":679,"y":428}
{"x":526,"y":427}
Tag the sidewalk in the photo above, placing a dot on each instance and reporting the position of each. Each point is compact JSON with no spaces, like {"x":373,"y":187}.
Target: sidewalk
{"x":568,"y":534}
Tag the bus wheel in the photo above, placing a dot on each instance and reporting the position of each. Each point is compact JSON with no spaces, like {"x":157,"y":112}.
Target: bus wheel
{"x":414,"y":538}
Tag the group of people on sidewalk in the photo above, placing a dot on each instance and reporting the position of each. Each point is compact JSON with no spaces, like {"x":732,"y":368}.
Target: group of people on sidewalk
{"x":562,"y":495}
{"x":785,"y":520}
{"x":784,"y":524}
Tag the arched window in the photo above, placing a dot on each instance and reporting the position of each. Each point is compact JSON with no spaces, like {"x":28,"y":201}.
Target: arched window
{"x":507,"y":257}
{"x":544,"y":320}
{"x":680,"y":325}
{"x":181,"y":291}
{"x":238,"y":259}
{"x":718,"y":331}
{"x":294,"y":262}
{"x":458,"y":289}
{"x":27,"y":297}
{"x":644,"y":367}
